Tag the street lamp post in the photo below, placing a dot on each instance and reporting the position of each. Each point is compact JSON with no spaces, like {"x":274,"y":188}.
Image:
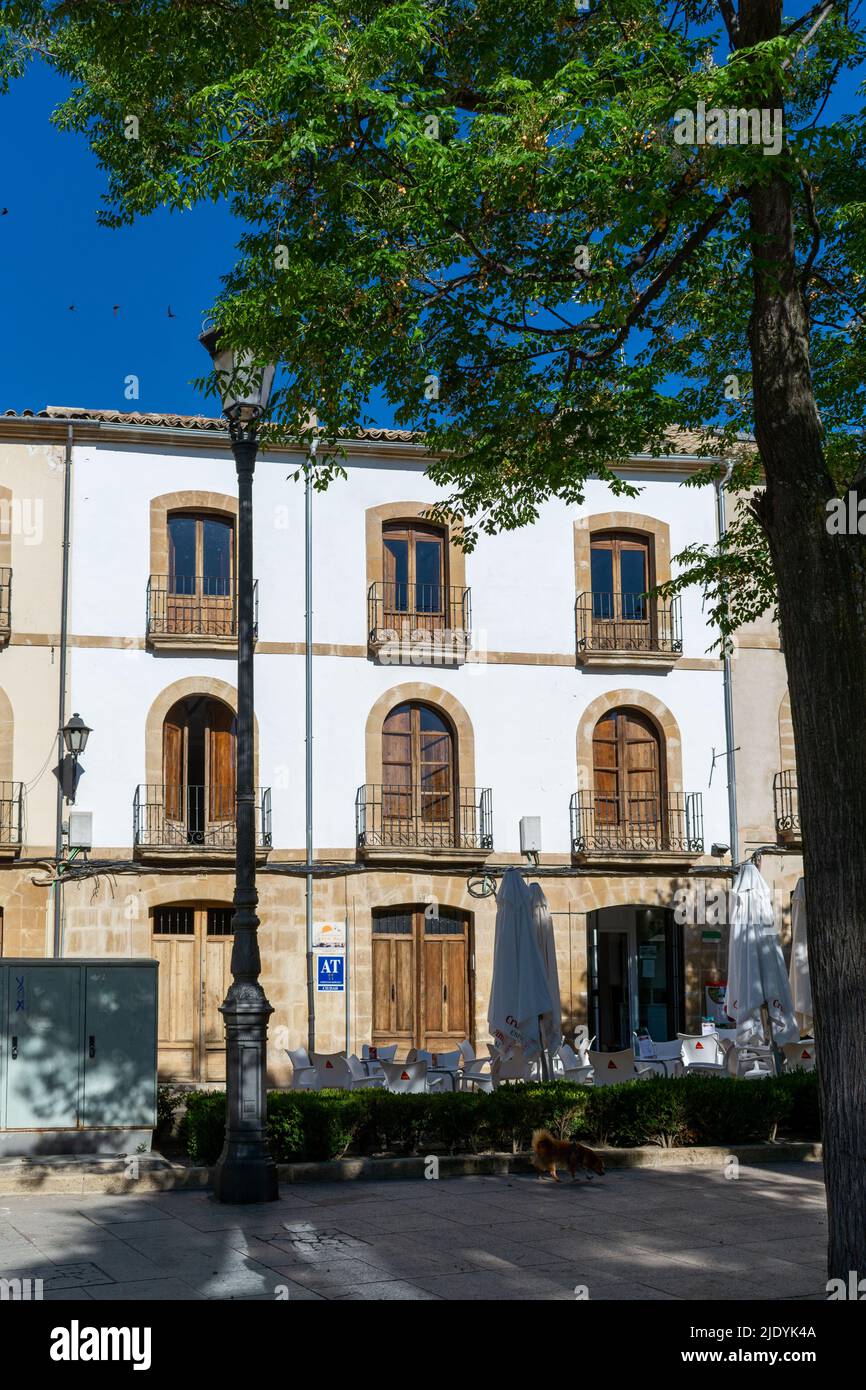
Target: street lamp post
{"x":245,"y":1171}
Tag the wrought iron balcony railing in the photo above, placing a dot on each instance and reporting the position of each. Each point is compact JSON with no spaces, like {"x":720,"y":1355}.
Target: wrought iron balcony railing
{"x":183,"y":817}
{"x":786,"y":803}
{"x":195,"y":606}
{"x":420,"y":818}
{"x":5,"y":597}
{"x":428,"y":615}
{"x":11,"y":812}
{"x":637,"y":824}
{"x":638,"y":623}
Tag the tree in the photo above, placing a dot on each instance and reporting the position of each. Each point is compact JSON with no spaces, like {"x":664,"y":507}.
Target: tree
{"x":553,"y":235}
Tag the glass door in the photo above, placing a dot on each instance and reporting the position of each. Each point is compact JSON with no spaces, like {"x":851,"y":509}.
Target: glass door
{"x":635,"y":975}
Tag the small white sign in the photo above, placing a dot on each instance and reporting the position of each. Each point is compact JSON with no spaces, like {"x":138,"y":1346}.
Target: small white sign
{"x":329,"y":936}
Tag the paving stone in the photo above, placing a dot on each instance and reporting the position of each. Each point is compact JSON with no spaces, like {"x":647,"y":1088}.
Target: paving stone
{"x":636,"y":1234}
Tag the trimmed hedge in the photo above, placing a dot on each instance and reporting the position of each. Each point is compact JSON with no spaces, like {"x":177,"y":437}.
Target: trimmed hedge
{"x":669,"y":1111}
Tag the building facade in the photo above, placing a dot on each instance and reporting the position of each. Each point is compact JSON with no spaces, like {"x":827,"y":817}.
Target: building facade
{"x":454,"y":695}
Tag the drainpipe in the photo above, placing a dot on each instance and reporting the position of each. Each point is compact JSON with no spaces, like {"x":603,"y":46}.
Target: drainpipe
{"x":61,"y":714}
{"x":308,"y":714}
{"x":721,"y":484}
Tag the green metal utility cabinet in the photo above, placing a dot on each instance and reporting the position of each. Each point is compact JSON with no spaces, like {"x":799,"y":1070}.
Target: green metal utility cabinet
{"x":77,"y":1055}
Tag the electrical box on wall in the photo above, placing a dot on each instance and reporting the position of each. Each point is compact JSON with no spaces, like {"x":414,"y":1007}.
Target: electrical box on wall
{"x":81,"y":830}
{"x":530,"y":834}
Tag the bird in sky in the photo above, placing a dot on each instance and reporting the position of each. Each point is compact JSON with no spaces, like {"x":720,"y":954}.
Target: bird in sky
{"x":116,"y":307}
{"x":170,"y":314}
{"x":71,"y":308}
{"x":4,"y":212}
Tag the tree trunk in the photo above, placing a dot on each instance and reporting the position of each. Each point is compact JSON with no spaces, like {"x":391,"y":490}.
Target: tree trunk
{"x":822,"y":609}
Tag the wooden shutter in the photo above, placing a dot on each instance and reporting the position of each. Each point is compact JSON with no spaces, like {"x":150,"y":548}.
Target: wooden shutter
{"x":435,"y":761}
{"x":627,"y":772}
{"x":640,"y":762}
{"x":173,"y":767}
{"x":221,"y":762}
{"x":397,"y":780}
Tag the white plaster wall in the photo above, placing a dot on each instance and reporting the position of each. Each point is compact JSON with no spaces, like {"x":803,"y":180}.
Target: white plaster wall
{"x":525,"y":717}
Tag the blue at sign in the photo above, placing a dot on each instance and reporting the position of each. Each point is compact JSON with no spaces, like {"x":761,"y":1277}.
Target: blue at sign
{"x":329,"y":974}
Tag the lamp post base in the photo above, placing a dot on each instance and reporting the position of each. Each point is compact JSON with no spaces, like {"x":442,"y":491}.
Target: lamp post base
{"x":241,"y":1179}
{"x":245,"y":1171}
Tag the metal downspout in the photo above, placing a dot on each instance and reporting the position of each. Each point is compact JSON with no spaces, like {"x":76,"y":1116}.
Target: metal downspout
{"x":728,"y":691}
{"x":308,"y":716}
{"x":61,"y":703}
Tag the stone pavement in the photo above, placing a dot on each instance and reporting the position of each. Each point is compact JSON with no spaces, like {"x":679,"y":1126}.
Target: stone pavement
{"x":676,"y":1233}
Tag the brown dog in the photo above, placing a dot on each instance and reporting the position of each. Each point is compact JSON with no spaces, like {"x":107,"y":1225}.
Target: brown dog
{"x":548,"y":1152}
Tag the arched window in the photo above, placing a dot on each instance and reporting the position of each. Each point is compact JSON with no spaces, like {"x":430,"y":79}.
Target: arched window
{"x":621,"y":566}
{"x":628,"y":776}
{"x":414,"y":561}
{"x":418,"y":776}
{"x":199,"y":763}
{"x":200,"y":581}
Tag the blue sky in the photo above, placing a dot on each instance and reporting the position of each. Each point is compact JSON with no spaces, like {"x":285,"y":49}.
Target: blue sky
{"x":53,"y":255}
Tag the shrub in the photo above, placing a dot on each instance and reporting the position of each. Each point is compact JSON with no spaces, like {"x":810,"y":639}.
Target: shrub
{"x":202,"y":1129}
{"x":168,"y":1101}
{"x":804,"y":1118}
{"x":722,"y":1110}
{"x":669,"y":1111}
{"x":654,"y":1111}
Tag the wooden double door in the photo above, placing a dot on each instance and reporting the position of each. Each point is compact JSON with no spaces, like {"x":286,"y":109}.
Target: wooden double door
{"x":422,"y":986}
{"x":194,"y":947}
{"x":199,"y":760}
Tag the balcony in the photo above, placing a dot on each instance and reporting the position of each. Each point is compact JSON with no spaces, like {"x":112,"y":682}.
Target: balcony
{"x":418,"y":624}
{"x":786,"y":809}
{"x":194,"y":612}
{"x":11,"y":818}
{"x":627,"y":630}
{"x":171,"y":822}
{"x":646,"y":829}
{"x":416,"y":825}
{"x":5,"y":604}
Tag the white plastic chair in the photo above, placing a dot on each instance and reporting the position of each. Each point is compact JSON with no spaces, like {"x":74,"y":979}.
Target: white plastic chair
{"x":753,"y":1062}
{"x":410,"y":1078}
{"x":799,"y":1056}
{"x":333,"y":1070}
{"x":667,"y":1060}
{"x":304,"y":1076}
{"x":582,"y":1044}
{"x":609,"y":1068}
{"x":476,"y":1075}
{"x":361,"y":1074}
{"x":567,"y":1066}
{"x":702,"y":1052}
{"x":514,"y":1067}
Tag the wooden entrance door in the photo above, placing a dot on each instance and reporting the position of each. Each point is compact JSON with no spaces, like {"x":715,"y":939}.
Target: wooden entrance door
{"x":421,"y":979}
{"x":414,"y":573}
{"x":193,"y":946}
{"x":622,"y":615}
{"x":628,"y":777}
